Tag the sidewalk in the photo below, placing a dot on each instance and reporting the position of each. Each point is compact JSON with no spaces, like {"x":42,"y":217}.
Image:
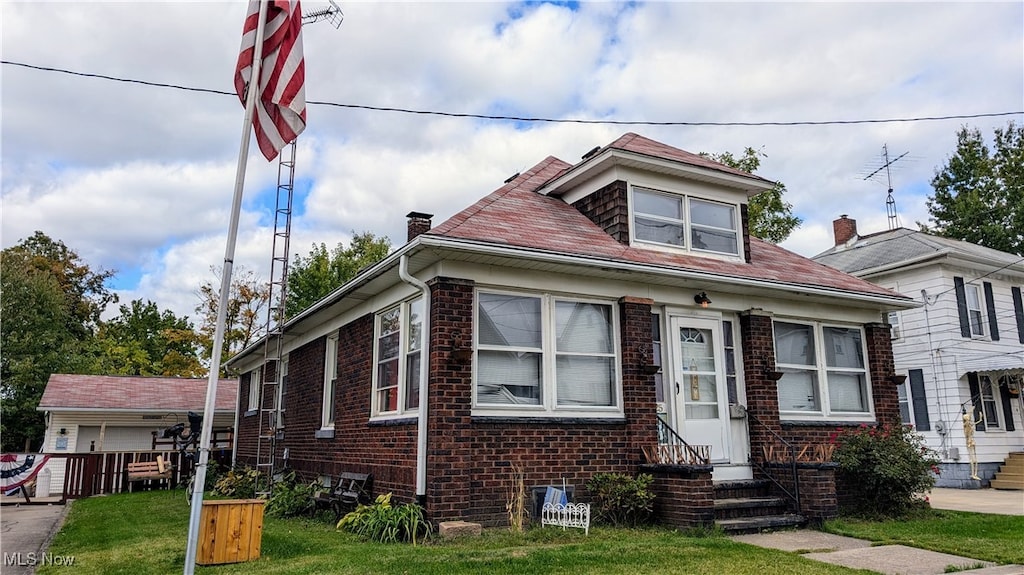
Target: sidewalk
{"x":900,"y":559}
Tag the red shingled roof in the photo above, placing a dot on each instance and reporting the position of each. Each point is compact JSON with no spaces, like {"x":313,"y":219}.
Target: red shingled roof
{"x":515,"y":215}
{"x":638,"y":144}
{"x":65,"y":391}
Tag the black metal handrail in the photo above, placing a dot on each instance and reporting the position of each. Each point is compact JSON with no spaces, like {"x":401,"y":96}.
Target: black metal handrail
{"x":668,"y":437}
{"x":795,"y":494}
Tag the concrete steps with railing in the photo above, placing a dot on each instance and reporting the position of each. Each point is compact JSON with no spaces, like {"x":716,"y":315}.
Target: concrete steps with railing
{"x":748,"y":506}
{"x":1011,"y":473}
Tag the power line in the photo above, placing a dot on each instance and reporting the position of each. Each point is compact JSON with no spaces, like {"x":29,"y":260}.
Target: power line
{"x":526,"y":118}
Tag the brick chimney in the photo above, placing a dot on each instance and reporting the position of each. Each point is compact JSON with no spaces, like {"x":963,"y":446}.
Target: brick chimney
{"x":419,"y":223}
{"x":844,"y":229}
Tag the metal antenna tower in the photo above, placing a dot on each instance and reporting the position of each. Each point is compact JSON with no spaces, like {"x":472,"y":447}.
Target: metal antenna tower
{"x":274,"y":387}
{"x":890,"y":202}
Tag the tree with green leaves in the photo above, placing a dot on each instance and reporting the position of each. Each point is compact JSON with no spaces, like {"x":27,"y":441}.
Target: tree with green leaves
{"x":51,"y":302}
{"x":771,"y":217}
{"x":312,"y":277}
{"x":142,"y":340}
{"x":979,"y":195}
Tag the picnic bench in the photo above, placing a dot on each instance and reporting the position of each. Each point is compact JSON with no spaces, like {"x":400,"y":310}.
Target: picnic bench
{"x":146,"y":471}
{"x":350,"y":490}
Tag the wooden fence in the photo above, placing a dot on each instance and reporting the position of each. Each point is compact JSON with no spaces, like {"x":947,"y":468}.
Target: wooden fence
{"x":105,"y":472}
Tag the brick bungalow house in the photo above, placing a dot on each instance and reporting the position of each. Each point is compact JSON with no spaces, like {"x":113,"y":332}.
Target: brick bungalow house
{"x":612,"y":315}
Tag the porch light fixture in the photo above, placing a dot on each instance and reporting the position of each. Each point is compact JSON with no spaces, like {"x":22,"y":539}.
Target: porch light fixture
{"x":702,"y":299}
{"x":63,"y":431}
{"x":897,"y":379}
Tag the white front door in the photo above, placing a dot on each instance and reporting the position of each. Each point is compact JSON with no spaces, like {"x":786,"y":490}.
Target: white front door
{"x":699,"y":384}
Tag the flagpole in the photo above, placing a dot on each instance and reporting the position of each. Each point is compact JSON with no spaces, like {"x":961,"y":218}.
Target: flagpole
{"x":222,"y":306}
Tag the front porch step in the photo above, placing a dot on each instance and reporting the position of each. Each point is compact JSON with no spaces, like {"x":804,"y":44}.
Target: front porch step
{"x":750,"y":507}
{"x":742,"y":525}
{"x":1011,"y":473}
{"x":742,"y":488}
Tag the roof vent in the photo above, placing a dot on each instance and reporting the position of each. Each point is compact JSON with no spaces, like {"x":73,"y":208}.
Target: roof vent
{"x":512,"y":177}
{"x":595,"y":150}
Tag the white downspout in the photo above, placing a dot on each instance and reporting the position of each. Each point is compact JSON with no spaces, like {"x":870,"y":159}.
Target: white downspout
{"x":421,"y":430}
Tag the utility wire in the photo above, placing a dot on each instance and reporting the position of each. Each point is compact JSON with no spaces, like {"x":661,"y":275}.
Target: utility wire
{"x":525,"y":118}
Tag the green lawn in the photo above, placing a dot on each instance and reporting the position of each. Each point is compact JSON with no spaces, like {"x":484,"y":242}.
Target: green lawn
{"x":998,"y":538}
{"x":145,"y":533}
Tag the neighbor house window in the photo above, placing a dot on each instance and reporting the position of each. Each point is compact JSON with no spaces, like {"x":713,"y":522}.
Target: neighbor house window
{"x":823,"y":369}
{"x":330,"y":381}
{"x":545,"y":353}
{"x":399,"y":343}
{"x":255,"y":383}
{"x":975,"y":309}
{"x":989,"y":402}
{"x":893,"y":318}
{"x":686,"y":222}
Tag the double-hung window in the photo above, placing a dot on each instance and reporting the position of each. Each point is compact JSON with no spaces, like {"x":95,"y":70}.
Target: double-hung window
{"x":823,"y":370}
{"x":541,"y":353}
{"x":975,"y":309}
{"x":255,"y":385}
{"x":399,"y":343}
{"x":686,"y":222}
{"x":330,"y":382}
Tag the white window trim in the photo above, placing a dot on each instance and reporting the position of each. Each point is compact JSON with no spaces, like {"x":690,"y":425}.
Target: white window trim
{"x":821,"y":359}
{"x":255,"y":386}
{"x":686,"y":222}
{"x":549,"y":385}
{"x":895,"y":327}
{"x":327,"y":405}
{"x":404,"y":316}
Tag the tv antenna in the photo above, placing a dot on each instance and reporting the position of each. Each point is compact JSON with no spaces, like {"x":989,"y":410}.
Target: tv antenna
{"x":890,"y":202}
{"x":332,"y":14}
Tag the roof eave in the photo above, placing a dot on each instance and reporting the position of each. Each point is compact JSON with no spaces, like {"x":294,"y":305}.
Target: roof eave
{"x":458,"y":244}
{"x":609,"y":157}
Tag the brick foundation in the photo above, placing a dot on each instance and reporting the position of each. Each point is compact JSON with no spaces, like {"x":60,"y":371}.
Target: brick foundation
{"x":684,"y":495}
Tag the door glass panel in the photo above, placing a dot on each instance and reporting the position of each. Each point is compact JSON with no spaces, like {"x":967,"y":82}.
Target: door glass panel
{"x":698,"y":374}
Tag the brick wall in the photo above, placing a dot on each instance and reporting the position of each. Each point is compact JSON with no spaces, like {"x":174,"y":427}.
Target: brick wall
{"x":882,"y":367}
{"x":608,"y":208}
{"x":471,"y":459}
{"x":684,"y":495}
{"x":758,"y":342}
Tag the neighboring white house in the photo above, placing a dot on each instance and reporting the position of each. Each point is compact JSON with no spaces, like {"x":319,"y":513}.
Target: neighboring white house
{"x":120,"y":413}
{"x":961,"y":350}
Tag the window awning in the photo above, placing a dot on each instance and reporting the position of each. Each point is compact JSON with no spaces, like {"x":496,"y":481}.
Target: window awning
{"x":1011,"y":362}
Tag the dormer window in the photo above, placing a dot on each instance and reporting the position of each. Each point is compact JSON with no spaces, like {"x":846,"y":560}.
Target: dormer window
{"x":669,"y":219}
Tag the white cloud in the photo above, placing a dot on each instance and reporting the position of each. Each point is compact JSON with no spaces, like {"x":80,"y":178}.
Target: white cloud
{"x":139,"y":178}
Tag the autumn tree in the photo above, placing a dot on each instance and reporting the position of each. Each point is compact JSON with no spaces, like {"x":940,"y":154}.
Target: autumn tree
{"x":246,"y":315}
{"x":979,"y":195}
{"x":770,"y":217}
{"x":51,"y":302}
{"x":312,"y":277}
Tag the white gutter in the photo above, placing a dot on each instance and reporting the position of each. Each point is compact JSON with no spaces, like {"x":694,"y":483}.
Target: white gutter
{"x":421,"y":427}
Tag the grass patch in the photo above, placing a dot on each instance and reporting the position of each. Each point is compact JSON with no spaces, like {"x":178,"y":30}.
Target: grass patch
{"x":145,"y":533}
{"x":980,"y":536}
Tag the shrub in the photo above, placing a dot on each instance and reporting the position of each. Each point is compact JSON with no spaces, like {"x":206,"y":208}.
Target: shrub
{"x":238,"y":482}
{"x":620,"y":499}
{"x":384,"y":523}
{"x":290,"y":497}
{"x":885,"y":470}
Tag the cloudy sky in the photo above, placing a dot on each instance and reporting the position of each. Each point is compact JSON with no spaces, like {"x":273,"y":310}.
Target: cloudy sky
{"x":139,"y":179}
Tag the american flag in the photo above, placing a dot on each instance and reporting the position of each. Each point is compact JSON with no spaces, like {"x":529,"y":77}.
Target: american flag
{"x":280,"y":114}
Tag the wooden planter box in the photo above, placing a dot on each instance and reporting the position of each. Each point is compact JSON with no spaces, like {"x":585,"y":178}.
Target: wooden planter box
{"x":230,"y":531}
